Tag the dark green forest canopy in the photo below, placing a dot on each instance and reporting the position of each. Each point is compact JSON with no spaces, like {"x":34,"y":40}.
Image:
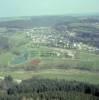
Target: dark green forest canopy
{"x":4,"y":42}
{"x":44,"y":88}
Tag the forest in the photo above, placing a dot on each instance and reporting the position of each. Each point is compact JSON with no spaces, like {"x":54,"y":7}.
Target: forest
{"x":47,"y":89}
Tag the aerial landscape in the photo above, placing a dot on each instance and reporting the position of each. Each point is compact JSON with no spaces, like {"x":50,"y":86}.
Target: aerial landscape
{"x":49,"y":57}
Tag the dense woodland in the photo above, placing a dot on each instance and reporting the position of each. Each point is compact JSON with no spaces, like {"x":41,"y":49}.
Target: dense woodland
{"x":45,"y":89}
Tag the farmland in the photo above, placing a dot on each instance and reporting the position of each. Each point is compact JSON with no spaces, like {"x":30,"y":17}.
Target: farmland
{"x":31,"y":54}
{"x":61,"y":53}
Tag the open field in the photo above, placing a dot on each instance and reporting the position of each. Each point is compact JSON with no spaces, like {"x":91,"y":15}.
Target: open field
{"x":43,"y":62}
{"x":63,"y":51}
{"x":70,"y":74}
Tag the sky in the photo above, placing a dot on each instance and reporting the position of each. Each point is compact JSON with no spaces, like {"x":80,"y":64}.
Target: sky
{"x":10,"y":8}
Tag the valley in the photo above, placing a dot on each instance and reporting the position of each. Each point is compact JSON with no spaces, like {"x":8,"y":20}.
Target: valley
{"x":51,"y":49}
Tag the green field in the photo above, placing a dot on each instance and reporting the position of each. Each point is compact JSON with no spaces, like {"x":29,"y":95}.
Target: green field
{"x":26,"y":59}
{"x":78,"y":75}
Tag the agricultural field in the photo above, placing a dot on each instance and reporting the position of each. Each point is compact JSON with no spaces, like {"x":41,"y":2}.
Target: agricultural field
{"x":63,"y":51}
{"x":57,"y":57}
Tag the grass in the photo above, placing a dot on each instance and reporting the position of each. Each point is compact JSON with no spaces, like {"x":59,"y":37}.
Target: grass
{"x":71,"y":74}
{"x":21,"y":43}
{"x":5,"y":58}
{"x":51,"y":67}
{"x":57,"y":67}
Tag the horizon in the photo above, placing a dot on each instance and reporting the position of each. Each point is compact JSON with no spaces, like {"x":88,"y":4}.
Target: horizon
{"x":71,"y":14}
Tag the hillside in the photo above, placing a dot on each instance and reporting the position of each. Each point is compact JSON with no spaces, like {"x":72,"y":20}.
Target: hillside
{"x":50,"y":47}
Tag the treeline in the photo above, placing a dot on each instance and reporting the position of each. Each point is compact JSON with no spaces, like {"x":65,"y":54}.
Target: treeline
{"x":58,"y":95}
{"x":4,"y":42}
{"x":46,"y":89}
{"x":36,"y":21}
{"x":43,"y":85}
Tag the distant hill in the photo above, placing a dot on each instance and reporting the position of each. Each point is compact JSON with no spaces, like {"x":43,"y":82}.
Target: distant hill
{"x":29,"y":22}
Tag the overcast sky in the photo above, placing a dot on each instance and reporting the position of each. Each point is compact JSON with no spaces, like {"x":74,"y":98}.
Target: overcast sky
{"x":9,"y":8}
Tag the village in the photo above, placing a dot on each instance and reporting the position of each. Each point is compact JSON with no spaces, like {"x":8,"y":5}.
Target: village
{"x":52,"y":38}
